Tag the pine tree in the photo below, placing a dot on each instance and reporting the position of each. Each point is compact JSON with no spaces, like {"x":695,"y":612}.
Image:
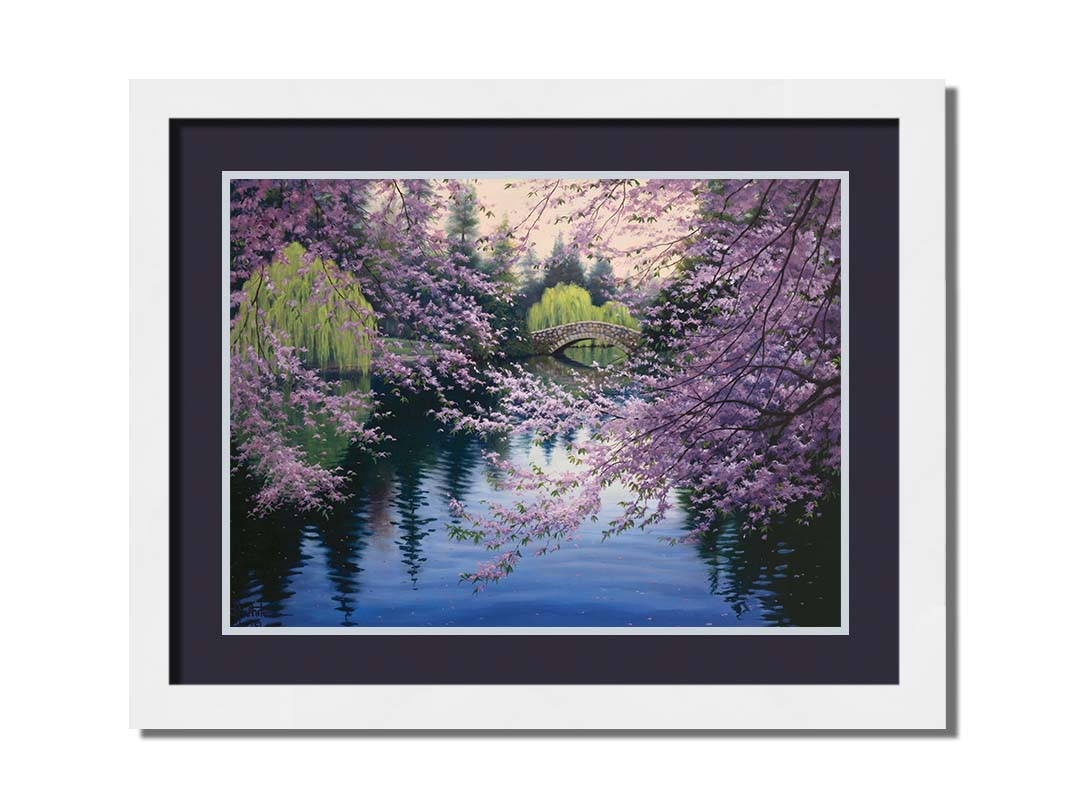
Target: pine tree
{"x":601,"y":281}
{"x":462,"y":225}
{"x":563,"y":266}
{"x":499,"y":262}
{"x":530,"y":267}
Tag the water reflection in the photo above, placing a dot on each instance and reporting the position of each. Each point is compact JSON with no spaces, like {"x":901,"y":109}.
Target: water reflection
{"x":385,"y":558}
{"x":787,"y":577}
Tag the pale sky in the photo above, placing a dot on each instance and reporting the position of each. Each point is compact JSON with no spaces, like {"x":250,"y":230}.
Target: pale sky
{"x":516,"y":205}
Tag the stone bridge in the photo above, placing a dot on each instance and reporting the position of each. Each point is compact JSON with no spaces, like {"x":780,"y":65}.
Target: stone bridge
{"x":552,"y":340}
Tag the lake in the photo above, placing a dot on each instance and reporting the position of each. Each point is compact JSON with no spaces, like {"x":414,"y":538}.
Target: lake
{"x":384,"y":558}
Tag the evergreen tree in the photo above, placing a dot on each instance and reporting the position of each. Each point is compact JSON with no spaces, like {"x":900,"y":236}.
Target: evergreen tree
{"x":563,"y":266}
{"x":601,"y":281}
{"x":530,"y":267}
{"x":462,"y":225}
{"x":531,"y":281}
{"x":509,"y":316}
{"x":499,"y":262}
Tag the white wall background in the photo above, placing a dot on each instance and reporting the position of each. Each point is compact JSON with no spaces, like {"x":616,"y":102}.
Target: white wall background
{"x":65,"y":474}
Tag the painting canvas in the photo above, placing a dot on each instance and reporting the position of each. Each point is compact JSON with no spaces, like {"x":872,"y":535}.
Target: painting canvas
{"x":526,"y":403}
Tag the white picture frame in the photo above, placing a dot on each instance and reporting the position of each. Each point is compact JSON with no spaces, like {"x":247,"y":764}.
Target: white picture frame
{"x":918,"y":702}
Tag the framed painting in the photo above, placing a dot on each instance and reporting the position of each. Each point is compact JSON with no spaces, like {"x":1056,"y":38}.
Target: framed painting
{"x":623,"y":414}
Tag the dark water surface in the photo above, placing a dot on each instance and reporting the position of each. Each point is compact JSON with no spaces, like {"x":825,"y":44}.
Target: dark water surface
{"x":385,"y":559}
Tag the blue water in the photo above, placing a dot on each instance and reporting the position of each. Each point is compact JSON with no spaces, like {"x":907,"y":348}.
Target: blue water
{"x":385,"y":558}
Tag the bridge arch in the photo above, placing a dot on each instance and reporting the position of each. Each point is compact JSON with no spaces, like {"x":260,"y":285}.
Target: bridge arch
{"x":551,"y":340}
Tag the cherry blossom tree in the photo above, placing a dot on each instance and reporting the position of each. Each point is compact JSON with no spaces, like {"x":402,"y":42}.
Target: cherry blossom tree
{"x":384,"y":237}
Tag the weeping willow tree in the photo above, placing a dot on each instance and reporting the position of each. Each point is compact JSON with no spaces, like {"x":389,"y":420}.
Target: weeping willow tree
{"x":319,"y":308}
{"x":617,"y":314}
{"x":564,"y":303}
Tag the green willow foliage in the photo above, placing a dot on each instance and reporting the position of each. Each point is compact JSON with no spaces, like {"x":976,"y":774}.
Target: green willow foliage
{"x":322,"y":310}
{"x":565,"y":303}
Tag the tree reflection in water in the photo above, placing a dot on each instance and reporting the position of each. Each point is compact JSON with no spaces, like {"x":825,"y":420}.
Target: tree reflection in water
{"x":787,"y":576}
{"x":384,"y":557}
